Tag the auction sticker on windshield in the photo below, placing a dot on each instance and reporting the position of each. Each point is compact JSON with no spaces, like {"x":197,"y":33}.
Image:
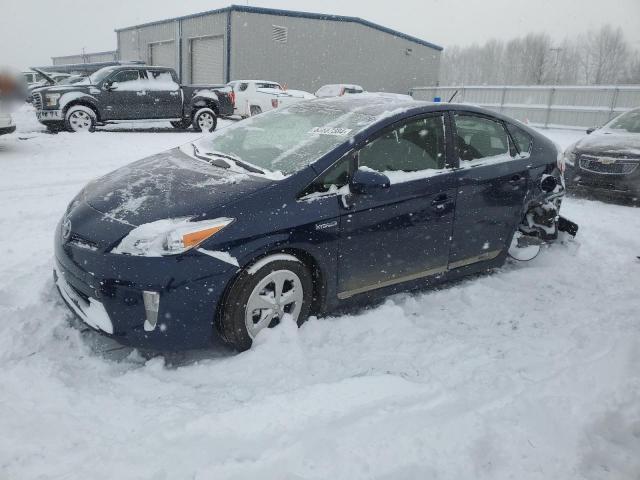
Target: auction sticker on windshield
{"x":338,"y":132}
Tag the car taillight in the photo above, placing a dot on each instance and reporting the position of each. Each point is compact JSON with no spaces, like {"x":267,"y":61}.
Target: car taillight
{"x":232,"y":98}
{"x":274,"y":102}
{"x":342,"y":91}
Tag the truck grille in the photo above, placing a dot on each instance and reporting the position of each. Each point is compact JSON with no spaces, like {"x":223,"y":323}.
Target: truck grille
{"x":608,"y":165}
{"x":37,"y":101}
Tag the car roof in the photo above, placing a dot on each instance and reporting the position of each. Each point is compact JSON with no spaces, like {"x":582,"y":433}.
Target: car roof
{"x":384,"y":106}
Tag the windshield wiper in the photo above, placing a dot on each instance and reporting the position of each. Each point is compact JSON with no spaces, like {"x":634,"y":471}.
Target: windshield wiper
{"x":215,"y":162}
{"x":247,"y":166}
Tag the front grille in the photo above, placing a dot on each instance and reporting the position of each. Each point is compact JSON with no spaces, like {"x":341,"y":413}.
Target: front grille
{"x":608,"y":165}
{"x":37,"y":101}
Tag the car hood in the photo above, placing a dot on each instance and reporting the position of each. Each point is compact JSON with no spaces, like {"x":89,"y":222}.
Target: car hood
{"x":168,"y":185}
{"x":610,"y":142}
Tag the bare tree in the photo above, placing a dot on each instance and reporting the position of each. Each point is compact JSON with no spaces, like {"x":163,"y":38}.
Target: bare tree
{"x":597,"y":57}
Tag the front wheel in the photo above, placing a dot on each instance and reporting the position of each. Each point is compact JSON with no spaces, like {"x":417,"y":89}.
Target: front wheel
{"x":80,"y":119}
{"x":263,"y":295}
{"x":205,"y":120}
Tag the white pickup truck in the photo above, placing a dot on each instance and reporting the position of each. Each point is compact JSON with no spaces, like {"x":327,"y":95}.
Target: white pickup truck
{"x":253,"y":97}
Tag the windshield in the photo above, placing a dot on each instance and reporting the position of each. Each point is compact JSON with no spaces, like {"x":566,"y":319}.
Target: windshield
{"x":287,"y":140}
{"x":629,"y":121}
{"x":100,"y":75}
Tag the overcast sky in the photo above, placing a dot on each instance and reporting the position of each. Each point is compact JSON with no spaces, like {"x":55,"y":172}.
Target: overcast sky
{"x":32,"y":31}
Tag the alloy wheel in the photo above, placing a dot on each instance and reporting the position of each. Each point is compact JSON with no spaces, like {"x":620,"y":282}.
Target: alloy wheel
{"x":278,"y":294}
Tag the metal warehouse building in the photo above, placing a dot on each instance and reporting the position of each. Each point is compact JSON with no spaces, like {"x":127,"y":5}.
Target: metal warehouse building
{"x":302,"y":50}
{"x":94,"y":57}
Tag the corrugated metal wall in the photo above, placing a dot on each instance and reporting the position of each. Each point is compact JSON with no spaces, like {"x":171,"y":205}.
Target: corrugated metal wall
{"x":318,"y":52}
{"x":86,"y":58}
{"x":214,"y":25}
{"x":134,"y":43}
{"x":561,"y":106}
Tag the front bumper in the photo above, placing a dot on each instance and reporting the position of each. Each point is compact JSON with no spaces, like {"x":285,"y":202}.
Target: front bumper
{"x":614,"y":185}
{"x":50,"y":115}
{"x":105,"y":291}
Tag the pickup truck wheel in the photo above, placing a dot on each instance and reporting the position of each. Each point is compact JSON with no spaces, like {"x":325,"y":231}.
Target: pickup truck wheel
{"x":255,"y":110}
{"x":205,"y":120}
{"x":80,"y":119}
{"x":181,"y":125}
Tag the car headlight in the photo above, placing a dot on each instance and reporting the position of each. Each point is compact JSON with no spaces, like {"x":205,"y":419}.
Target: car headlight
{"x":51,"y":99}
{"x":169,"y":237}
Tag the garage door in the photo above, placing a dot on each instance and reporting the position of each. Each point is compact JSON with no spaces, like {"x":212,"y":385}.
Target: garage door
{"x":162,"y":54}
{"x":207,"y":60}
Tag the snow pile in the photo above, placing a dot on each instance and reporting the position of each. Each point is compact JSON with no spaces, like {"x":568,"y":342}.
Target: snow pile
{"x":530,"y":372}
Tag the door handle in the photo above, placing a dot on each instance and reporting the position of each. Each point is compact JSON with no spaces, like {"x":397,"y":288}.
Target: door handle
{"x":141,"y":93}
{"x":517,"y":178}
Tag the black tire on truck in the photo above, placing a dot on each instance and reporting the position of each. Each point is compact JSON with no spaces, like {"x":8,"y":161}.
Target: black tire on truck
{"x":80,"y":119}
{"x":255,"y":110}
{"x":205,"y":120}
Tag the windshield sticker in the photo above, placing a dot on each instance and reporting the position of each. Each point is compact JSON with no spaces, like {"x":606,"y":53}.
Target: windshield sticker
{"x":338,"y":132}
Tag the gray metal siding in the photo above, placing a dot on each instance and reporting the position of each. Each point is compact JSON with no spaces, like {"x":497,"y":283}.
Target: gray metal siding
{"x":207,"y":60}
{"x":134,"y":42}
{"x":162,"y":54}
{"x":564,"y":106}
{"x":214,"y":25}
{"x":318,"y":52}
{"x":85,"y":58}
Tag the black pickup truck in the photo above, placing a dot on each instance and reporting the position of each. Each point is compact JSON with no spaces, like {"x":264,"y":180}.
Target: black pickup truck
{"x":124,"y":93}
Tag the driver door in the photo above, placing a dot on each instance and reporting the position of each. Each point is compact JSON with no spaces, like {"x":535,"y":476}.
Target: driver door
{"x":125,"y":96}
{"x":400,"y":233}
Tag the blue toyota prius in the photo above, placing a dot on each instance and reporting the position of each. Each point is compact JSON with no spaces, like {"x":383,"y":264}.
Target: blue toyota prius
{"x":295,"y":211}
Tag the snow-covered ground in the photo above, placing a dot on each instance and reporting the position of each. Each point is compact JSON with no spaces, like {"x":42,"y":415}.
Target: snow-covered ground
{"x":531,"y":372}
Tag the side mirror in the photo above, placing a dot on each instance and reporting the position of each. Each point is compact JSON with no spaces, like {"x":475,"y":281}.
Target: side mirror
{"x":366,"y":180}
{"x":591,"y":130}
{"x":110,"y":85}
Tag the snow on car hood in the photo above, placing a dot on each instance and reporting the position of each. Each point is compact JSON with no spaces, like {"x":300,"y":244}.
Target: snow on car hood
{"x":167,"y":185}
{"x":610,"y":141}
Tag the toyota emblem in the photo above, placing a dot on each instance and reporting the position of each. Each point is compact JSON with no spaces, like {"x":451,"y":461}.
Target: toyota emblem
{"x":66,"y":229}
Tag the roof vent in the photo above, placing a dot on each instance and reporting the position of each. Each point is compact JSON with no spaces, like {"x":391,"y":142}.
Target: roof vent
{"x":279,"y":34}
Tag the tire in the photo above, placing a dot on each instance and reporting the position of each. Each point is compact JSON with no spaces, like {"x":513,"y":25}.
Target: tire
{"x":253,"y":288}
{"x":255,"y":110}
{"x":181,"y":125}
{"x":80,"y":119}
{"x":205,"y":120}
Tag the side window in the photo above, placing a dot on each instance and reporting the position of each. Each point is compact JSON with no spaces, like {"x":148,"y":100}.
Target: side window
{"x":480,"y":137}
{"x":125,"y":76}
{"x":414,"y":146}
{"x":332,"y":180}
{"x":161,"y":80}
{"x":523,"y":140}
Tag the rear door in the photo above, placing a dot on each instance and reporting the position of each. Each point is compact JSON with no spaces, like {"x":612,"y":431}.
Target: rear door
{"x":165,"y":93}
{"x":492,"y":184}
{"x":401,"y":233}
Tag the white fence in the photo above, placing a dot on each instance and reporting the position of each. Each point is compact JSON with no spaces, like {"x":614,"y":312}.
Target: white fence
{"x":545,"y":106}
